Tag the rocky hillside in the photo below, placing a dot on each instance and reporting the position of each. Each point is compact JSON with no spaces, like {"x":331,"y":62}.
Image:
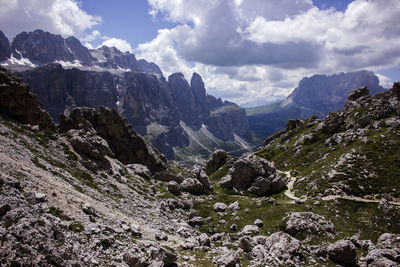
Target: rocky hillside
{"x":353,"y":152}
{"x":317,"y":95}
{"x":93,"y":193}
{"x":170,"y":113}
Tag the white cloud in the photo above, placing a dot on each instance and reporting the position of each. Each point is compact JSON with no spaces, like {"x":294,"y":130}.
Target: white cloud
{"x":252,"y":49}
{"x":88,"y":45}
{"x":57,"y":16}
{"x":95,"y":34}
{"x":120,"y":44}
{"x":384,"y":81}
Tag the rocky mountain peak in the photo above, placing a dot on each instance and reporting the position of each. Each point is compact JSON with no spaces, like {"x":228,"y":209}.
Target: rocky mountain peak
{"x":42,"y":47}
{"x":5,"y":48}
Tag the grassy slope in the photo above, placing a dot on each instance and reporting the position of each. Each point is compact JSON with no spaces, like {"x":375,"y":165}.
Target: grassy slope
{"x":262,"y":109}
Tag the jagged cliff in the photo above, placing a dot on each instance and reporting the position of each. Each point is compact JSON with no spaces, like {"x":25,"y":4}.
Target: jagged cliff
{"x":169,"y":113}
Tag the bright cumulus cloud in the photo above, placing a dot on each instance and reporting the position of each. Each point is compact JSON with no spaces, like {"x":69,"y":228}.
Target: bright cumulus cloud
{"x":261,"y":48}
{"x":57,"y":16}
{"x":120,"y":44}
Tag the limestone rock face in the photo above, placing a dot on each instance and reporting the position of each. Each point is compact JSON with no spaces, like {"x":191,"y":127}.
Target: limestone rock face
{"x":215,"y":161}
{"x":43,"y":47}
{"x":60,"y":90}
{"x":255,"y":175}
{"x":5,"y":48}
{"x":19,"y":104}
{"x":124,"y":142}
{"x":64,"y":74}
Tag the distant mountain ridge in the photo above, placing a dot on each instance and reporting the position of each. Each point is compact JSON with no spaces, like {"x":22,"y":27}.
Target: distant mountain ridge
{"x":32,"y":49}
{"x":317,"y":95}
{"x":177,"y":117}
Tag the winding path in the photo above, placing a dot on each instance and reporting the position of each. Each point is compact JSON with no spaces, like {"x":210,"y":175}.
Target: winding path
{"x":289,"y":193}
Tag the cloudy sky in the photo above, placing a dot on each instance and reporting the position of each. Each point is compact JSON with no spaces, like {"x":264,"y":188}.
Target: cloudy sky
{"x":245,"y":50}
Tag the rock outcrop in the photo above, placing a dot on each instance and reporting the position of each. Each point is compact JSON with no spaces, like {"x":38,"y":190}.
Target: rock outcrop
{"x":254,"y":174}
{"x":215,"y":161}
{"x":5,"y":48}
{"x":308,"y":222}
{"x":125,"y":143}
{"x":19,"y":104}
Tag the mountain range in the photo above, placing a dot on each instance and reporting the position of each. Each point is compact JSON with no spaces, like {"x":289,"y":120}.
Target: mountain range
{"x":180,"y":119}
{"x":317,"y":95}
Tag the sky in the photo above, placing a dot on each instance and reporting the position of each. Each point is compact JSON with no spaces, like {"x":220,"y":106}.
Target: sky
{"x":247,"y":51}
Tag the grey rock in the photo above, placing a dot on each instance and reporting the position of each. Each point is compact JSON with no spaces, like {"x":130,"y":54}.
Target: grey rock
{"x":196,"y":221}
{"x":204,"y":240}
{"x":220,"y":207}
{"x":250,"y":230}
{"x":4,"y":208}
{"x":343,"y":252}
{"x":308,"y":222}
{"x":278,"y":249}
{"x":358,"y":93}
{"x":17,"y":102}
{"x":204,"y":180}
{"x":192,"y":186}
{"x":89,"y":144}
{"x":247,"y":244}
{"x":234,"y":206}
{"x":174,"y":188}
{"x":40,"y":197}
{"x":259,"y":223}
{"x":158,"y":253}
{"x":230,"y":259}
{"x":233,"y":227}
{"x":161,"y":236}
{"x":254,"y":174}
{"x":215,"y":161}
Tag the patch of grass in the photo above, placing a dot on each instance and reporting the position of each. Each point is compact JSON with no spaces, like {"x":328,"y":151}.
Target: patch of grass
{"x":70,"y":155}
{"x":36,"y":162}
{"x":178,"y":170}
{"x":58,"y":213}
{"x":85,"y":178}
{"x":76,"y":227}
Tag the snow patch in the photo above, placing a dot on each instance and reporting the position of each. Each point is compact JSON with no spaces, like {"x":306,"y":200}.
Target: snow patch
{"x":22,"y":61}
{"x":75,"y":63}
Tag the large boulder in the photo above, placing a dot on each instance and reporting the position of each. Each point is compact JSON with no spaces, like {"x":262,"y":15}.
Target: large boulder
{"x":215,"y":161}
{"x":127,"y":146}
{"x":16,"y":102}
{"x":89,"y":144}
{"x":278,"y":249}
{"x":386,"y":253}
{"x":358,"y":93}
{"x":308,"y":222}
{"x":229,"y":259}
{"x":192,"y":186}
{"x":255,"y":175}
{"x":343,"y":252}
